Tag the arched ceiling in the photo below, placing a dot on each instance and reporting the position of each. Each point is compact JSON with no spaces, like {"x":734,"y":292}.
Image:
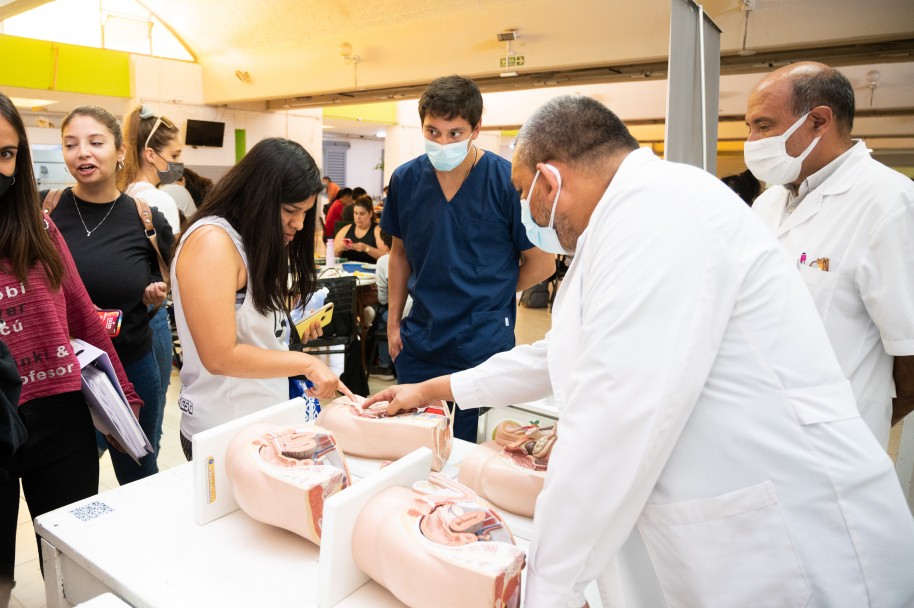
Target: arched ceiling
{"x":290,"y":50}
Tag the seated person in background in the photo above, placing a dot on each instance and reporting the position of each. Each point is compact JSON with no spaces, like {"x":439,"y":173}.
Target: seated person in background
{"x":745,"y":185}
{"x":385,"y":368}
{"x":361,"y":240}
{"x":244,"y":256}
{"x":198,"y":186}
{"x":335,"y":212}
{"x":357,"y":193}
{"x":183,"y":199}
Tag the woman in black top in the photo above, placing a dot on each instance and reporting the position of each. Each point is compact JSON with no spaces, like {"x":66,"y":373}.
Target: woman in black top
{"x":115,"y":260}
{"x":361,"y":240}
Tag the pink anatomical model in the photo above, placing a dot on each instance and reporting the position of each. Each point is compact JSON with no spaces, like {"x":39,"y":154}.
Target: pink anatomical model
{"x":437,"y":544}
{"x":371,"y":433}
{"x":281,"y":475}
{"x":510,"y":471}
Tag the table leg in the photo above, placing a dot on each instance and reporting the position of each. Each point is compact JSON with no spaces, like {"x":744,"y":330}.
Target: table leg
{"x":53,"y":576}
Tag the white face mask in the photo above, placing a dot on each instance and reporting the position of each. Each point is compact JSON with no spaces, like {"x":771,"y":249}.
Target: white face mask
{"x":445,"y":157}
{"x":768,"y":159}
{"x":544,"y":237}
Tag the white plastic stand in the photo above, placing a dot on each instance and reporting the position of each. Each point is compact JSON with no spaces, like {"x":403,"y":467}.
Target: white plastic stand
{"x":213,"y":495}
{"x":338,"y":574}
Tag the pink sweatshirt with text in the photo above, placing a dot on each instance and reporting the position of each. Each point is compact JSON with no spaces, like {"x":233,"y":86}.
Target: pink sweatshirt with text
{"x":36,"y":323}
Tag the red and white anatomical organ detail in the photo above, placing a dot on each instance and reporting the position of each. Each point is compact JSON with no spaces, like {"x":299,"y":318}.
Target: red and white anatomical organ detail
{"x":510,"y":471}
{"x":437,"y":544}
{"x":281,"y":475}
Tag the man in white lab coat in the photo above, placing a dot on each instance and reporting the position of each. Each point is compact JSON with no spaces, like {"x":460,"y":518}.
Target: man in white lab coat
{"x":847,"y":221}
{"x":709,"y":449}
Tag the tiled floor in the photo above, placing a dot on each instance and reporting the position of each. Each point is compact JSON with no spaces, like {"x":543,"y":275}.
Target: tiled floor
{"x":532,"y":324}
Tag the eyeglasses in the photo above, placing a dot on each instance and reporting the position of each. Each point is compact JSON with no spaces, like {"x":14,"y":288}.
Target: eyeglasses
{"x":160,"y":120}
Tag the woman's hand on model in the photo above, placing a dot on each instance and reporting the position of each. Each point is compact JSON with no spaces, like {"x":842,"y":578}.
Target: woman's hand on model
{"x":155,"y":293}
{"x":400,"y":398}
{"x":325,"y":382}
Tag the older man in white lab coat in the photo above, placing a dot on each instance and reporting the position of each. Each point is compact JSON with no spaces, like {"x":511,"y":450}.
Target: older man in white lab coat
{"x":710,"y":452}
{"x":847,"y":221}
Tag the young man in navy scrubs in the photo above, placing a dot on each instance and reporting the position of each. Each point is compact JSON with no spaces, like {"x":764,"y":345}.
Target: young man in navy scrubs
{"x":459,"y":247}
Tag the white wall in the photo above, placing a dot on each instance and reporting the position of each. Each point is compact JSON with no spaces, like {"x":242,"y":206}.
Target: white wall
{"x":362,"y":158}
{"x":175,"y":89}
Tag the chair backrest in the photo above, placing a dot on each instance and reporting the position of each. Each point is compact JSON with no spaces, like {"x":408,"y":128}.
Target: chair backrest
{"x":342,"y":291}
{"x":338,"y":225}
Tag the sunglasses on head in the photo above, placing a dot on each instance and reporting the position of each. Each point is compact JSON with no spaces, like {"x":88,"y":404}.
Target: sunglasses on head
{"x":160,"y":120}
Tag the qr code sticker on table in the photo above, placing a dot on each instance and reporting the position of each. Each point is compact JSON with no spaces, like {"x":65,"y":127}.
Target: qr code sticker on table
{"x":91,"y":510}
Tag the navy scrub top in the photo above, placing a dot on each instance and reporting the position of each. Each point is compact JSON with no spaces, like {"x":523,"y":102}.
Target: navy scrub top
{"x":464,"y":257}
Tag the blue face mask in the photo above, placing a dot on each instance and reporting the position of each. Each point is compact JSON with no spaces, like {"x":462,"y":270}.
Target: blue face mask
{"x":446,"y":157}
{"x":544,"y":237}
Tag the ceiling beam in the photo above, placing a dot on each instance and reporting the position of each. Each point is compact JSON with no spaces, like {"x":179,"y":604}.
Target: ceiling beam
{"x":892,"y":51}
{"x":11,"y":8}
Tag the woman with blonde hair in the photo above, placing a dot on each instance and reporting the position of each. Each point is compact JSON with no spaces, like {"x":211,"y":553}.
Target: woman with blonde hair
{"x":152,"y":159}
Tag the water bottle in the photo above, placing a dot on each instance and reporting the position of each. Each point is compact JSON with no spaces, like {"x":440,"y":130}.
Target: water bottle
{"x":329,"y":256}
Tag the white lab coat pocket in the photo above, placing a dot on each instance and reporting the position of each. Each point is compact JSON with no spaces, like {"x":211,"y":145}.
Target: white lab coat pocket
{"x":728,"y":551}
{"x":821,"y":284}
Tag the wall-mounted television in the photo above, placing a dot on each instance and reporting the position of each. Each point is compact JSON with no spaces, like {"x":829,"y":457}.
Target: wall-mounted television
{"x":204,"y":133}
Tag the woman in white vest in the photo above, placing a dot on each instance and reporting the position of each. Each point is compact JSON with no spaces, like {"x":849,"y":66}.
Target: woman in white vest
{"x":231,"y":282}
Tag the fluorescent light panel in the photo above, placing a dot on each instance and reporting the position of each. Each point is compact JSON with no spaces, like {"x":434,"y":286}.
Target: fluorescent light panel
{"x":27,"y":102}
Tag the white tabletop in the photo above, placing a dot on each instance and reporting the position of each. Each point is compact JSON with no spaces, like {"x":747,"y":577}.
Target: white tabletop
{"x":141,"y":541}
{"x":145,"y":546}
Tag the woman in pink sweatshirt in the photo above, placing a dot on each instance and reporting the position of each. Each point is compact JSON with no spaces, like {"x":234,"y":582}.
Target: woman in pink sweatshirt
{"x":42,"y":305}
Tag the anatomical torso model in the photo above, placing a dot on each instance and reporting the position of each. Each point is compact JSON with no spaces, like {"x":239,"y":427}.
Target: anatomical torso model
{"x":510,"y":471}
{"x":281,"y":475}
{"x":437,"y":544}
{"x":371,"y":433}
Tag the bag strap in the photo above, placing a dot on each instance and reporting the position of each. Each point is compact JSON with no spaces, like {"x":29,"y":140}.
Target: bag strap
{"x":51,"y":200}
{"x":145,"y":213}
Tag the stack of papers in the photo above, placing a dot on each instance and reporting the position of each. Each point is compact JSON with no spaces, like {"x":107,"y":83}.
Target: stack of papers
{"x":107,"y":403}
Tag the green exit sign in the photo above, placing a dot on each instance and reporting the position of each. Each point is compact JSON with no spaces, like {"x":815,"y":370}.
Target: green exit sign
{"x":514,"y":61}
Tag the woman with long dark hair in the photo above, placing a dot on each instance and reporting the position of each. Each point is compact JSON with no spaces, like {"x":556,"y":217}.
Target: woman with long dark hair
{"x":244,"y":257}
{"x":44,"y":304}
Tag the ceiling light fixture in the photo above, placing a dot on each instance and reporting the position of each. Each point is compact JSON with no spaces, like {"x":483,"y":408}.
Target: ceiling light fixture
{"x":872,"y":81}
{"x":746,"y":6}
{"x":31,"y":103}
{"x":346,"y":54}
{"x":350,"y":59}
